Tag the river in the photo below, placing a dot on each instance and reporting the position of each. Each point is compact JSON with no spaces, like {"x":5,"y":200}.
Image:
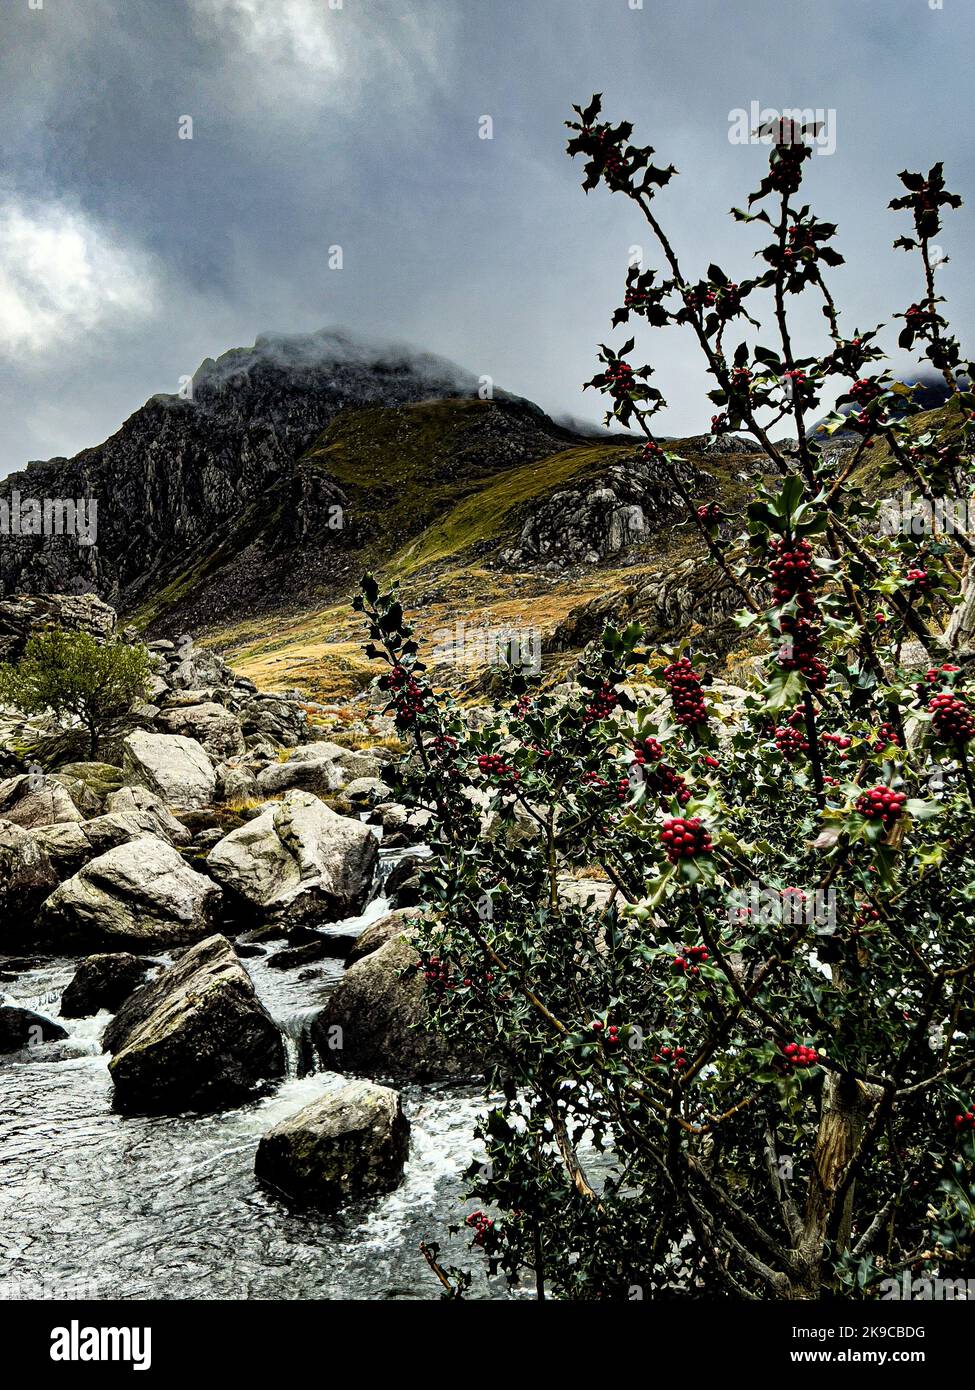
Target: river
{"x":99,"y":1205}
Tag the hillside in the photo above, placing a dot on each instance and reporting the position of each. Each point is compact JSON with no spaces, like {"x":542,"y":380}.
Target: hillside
{"x":246,"y":515}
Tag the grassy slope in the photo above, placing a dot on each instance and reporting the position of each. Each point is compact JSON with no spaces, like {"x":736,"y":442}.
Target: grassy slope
{"x":434,"y":524}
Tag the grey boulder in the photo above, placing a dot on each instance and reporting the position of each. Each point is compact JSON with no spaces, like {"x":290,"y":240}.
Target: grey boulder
{"x":297,"y":861}
{"x":195,"y":1038}
{"x":351,"y":1143}
{"x":140,"y":896}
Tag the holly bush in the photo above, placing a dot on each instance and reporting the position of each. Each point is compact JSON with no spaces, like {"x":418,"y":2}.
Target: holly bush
{"x":717,"y":945}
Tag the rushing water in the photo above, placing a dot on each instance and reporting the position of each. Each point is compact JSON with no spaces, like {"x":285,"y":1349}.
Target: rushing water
{"x":99,"y":1205}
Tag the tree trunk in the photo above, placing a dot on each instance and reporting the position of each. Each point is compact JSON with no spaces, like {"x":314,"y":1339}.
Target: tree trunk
{"x":841,"y":1121}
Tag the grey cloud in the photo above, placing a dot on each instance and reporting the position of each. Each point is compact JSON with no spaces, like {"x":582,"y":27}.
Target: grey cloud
{"x":359,"y":127}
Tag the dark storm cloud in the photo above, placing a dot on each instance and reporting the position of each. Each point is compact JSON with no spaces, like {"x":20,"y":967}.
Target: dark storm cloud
{"x":128,"y":255}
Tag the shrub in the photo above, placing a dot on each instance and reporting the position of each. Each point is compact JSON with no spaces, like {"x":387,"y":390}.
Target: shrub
{"x":76,"y":677}
{"x":749,"y":1065}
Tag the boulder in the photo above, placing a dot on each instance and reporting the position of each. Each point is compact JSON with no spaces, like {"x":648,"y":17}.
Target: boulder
{"x":376,"y":1023}
{"x":141,"y":896}
{"x":280,"y":721}
{"x":195,"y":1038}
{"x":298,"y":861}
{"x":366,"y":791}
{"x":313,"y":768}
{"x":72,"y":845}
{"x":103,"y":982}
{"x":212,"y":725}
{"x":378,"y":933}
{"x":27,"y":877}
{"x":89,"y":784}
{"x":20,"y":1028}
{"x":236,"y":784}
{"x":349,"y":1144}
{"x":177,"y":769}
{"x":138,"y":801}
{"x":33,"y":799}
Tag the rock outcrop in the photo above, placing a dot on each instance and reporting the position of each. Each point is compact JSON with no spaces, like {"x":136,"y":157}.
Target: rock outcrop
{"x":21,"y":617}
{"x":141,"y":896}
{"x":352,"y":1143}
{"x":195,"y":1038}
{"x":32,"y":800}
{"x":27,"y":877}
{"x":297,"y":862}
{"x":177,"y":769}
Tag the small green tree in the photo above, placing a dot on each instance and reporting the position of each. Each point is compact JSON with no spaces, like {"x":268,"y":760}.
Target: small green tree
{"x":74,"y":676}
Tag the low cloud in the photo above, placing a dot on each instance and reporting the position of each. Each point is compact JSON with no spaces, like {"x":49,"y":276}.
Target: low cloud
{"x":62,"y":276}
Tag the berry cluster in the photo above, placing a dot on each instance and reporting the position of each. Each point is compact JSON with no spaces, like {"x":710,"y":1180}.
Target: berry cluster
{"x":790,"y":737}
{"x":675,"y":1056}
{"x":482,"y":1224}
{"x":661,"y":778}
{"x":652,"y":451}
{"x":709,"y":514}
{"x":612,"y":1032}
{"x":951,"y":720}
{"x":493,"y":765}
{"x":798,"y":1055}
{"x":965,"y":1121}
{"x":691,"y":959}
{"x":793,"y":581}
{"x":685,"y":838}
{"x":686,"y":694}
{"x":935,"y":674}
{"x":865,"y":390}
{"x":439,"y":975}
{"x":601,"y":704}
{"x":408,"y":698}
{"x":885,"y":737}
{"x":919,"y":578}
{"x":881,"y":803}
{"x":838,"y":741}
{"x":620,"y":378}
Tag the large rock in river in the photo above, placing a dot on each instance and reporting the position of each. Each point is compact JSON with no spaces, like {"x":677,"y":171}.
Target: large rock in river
{"x":20,"y":1028}
{"x":141,"y":896}
{"x":103,"y":982}
{"x":195,"y":1038}
{"x":376,"y":1023}
{"x":351,"y":1143}
{"x":177,"y":769}
{"x":297,"y":862}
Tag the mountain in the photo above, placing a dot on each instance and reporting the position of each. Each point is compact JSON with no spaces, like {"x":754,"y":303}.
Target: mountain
{"x":245,"y":514}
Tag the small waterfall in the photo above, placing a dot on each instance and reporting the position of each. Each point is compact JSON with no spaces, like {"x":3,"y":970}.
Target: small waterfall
{"x":301,"y":1054}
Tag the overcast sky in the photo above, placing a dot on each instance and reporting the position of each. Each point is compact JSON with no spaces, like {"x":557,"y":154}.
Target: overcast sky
{"x":127,"y":254}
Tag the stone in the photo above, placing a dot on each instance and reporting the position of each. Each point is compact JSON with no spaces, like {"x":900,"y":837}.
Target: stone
{"x":33,"y":799}
{"x":195,"y":1038}
{"x":298,"y":861}
{"x":351,"y":1143}
{"x":20,"y":1028}
{"x":141,"y":896}
{"x":177,"y":769}
{"x":212,"y":725}
{"x":27,"y":878}
{"x":103,"y":982}
{"x":376,"y":1022}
